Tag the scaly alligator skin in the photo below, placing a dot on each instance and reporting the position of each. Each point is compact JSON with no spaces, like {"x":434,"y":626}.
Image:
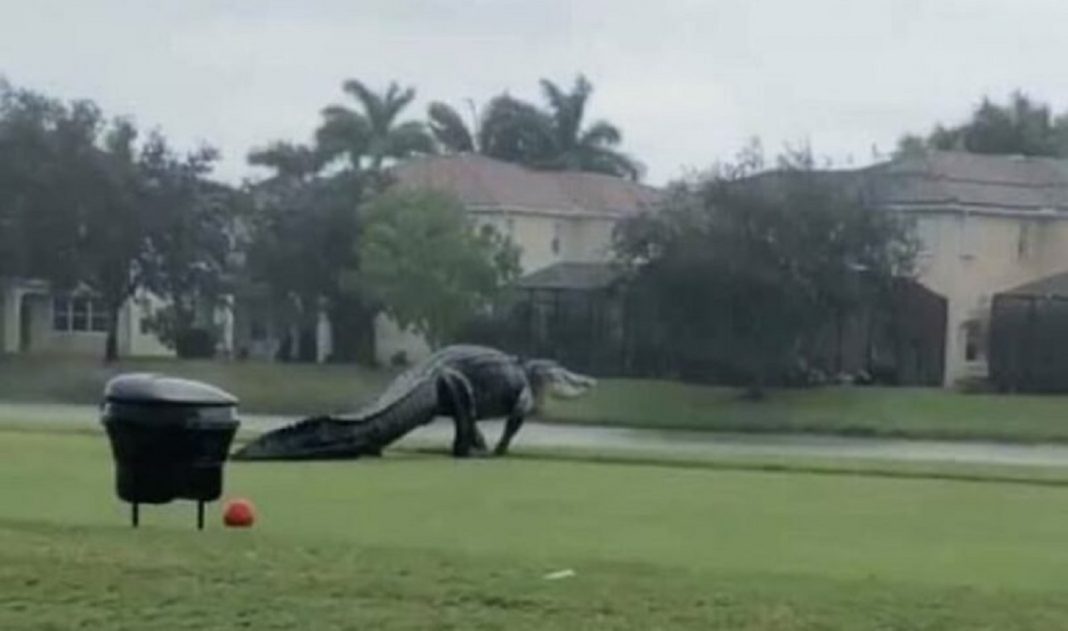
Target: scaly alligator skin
{"x":467,"y":383}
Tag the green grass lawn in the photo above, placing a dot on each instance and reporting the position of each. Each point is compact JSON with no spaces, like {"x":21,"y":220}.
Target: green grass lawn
{"x":416,"y":541}
{"x":859,"y":411}
{"x":300,"y":389}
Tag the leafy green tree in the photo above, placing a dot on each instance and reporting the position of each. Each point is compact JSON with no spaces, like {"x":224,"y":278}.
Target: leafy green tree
{"x":742,"y":265}
{"x":1021,"y":126}
{"x":306,"y":214}
{"x":87,"y":207}
{"x":191,"y":241}
{"x":303,"y":231}
{"x":42,"y":144}
{"x":427,"y":265}
{"x":368,"y":137}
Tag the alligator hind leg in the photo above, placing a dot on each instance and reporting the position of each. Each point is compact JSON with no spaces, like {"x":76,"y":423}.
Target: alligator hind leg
{"x":511,"y":427}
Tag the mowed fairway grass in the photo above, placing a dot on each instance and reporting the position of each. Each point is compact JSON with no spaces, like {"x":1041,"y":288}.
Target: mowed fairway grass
{"x":422,"y":541}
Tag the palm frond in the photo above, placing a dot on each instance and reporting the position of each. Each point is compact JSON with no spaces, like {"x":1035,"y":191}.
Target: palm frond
{"x":406,"y":139}
{"x":601,"y":134}
{"x":515,"y":131}
{"x":396,"y":100}
{"x":374,"y":108}
{"x":611,"y":162}
{"x":287,"y":159}
{"x":449,"y":128}
{"x":343,"y":131}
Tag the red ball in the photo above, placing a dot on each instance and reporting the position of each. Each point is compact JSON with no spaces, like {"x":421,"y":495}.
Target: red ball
{"x":239,"y":514}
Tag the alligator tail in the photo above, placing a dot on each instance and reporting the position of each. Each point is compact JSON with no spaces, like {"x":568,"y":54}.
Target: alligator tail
{"x":317,"y":437}
{"x":337,"y":437}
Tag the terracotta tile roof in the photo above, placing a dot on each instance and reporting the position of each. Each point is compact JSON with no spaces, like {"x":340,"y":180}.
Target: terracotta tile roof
{"x":964,"y":179}
{"x":482,"y":182}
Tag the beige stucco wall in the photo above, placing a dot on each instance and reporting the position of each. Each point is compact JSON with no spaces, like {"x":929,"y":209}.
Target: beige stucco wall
{"x":580,"y":238}
{"x":970,"y":257}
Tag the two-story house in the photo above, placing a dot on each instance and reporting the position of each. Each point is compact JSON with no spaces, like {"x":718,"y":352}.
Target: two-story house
{"x":987,"y":224}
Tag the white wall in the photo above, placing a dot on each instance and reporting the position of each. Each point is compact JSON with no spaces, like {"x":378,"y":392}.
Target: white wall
{"x":133,"y":340}
{"x":390,"y":339}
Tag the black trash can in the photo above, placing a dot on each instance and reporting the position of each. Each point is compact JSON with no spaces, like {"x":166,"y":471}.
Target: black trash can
{"x":169,"y":438}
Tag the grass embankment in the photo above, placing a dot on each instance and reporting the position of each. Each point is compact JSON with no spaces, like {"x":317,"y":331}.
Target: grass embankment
{"x":415,"y":542}
{"x":265,"y":387}
{"x":298,"y":389}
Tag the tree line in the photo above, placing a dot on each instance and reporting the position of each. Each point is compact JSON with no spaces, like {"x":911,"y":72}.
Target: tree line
{"x":90,"y":202}
{"x":738,"y":265}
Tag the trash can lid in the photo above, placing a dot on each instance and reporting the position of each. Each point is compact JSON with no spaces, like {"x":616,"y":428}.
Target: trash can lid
{"x":154,"y":388}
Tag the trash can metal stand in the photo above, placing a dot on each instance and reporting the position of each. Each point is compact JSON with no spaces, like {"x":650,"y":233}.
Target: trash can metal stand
{"x":169,"y":438}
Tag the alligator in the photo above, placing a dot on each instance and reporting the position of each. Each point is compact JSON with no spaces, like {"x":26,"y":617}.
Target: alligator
{"x":465,"y":382}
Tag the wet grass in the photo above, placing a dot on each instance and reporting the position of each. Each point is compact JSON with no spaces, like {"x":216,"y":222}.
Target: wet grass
{"x":417,"y":541}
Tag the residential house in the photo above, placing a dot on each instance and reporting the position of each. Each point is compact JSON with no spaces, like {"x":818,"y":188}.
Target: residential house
{"x":36,"y":320}
{"x":561,"y":221}
{"x":987,"y":224}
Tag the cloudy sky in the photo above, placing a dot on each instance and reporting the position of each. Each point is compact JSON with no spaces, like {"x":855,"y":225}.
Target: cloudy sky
{"x":688,"y":81}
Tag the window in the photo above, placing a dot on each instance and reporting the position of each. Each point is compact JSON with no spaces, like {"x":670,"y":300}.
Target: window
{"x":79,"y":314}
{"x":974,"y":341}
{"x":556,"y":237}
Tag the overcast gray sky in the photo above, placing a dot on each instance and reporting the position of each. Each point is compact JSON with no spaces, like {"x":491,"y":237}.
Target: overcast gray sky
{"x":688,"y":81}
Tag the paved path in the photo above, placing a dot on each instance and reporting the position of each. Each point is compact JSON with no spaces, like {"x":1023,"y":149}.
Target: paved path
{"x":668,"y":442}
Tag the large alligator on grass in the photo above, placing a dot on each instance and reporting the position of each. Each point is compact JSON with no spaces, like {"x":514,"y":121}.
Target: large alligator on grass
{"x":467,"y":383}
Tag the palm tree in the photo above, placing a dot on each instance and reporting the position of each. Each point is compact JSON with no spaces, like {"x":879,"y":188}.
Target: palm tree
{"x":508,"y":129}
{"x":516,"y":131}
{"x":450,"y":130}
{"x":583,"y":149}
{"x":287,"y":159}
{"x":372,"y":133}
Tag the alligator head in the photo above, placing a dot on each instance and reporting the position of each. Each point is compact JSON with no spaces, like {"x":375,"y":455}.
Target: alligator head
{"x":548,"y":376}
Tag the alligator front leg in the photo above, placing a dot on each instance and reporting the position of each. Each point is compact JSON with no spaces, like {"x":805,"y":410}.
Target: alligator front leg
{"x":464,"y":437}
{"x":524,"y":405}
